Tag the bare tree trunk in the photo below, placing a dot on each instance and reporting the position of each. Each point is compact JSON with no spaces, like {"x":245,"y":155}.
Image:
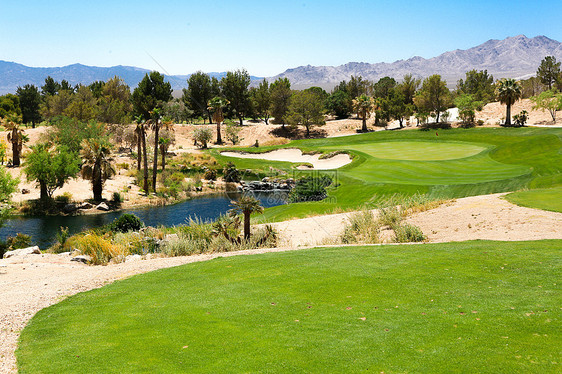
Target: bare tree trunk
{"x":247,"y":225}
{"x":44,"y":196}
{"x":508,"y":115}
{"x":219,"y":138}
{"x":139,"y":148}
{"x":145,"y":184}
{"x":364,"y":127}
{"x":155,"y":163}
{"x":163,"y":153}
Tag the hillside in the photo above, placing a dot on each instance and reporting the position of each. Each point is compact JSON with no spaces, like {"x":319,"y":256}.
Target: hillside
{"x":514,"y":57}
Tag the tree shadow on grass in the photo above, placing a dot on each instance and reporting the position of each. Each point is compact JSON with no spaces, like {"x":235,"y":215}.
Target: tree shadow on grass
{"x":295,"y":133}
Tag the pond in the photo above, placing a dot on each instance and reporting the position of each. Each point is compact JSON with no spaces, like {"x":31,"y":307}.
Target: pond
{"x":43,"y":230}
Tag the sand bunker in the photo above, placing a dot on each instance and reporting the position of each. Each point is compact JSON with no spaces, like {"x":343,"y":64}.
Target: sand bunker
{"x":296,"y":155}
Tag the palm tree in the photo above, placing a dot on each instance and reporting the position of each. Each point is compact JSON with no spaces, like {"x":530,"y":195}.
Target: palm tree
{"x":15,"y":136}
{"x":96,"y":164}
{"x":508,"y":92}
{"x":155,"y":114}
{"x":364,"y":105}
{"x":245,"y":205}
{"x":141,"y":149}
{"x":215,"y":106}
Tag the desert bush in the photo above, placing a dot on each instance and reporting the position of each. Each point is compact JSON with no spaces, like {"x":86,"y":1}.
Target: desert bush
{"x":407,"y":233}
{"x":127,"y":222}
{"x":232,"y":132}
{"x":65,"y":198}
{"x":19,"y":241}
{"x":521,"y":118}
{"x":117,"y":198}
{"x":363,"y":227}
{"x":230,"y":173}
{"x":310,"y":188}
{"x":390,"y":216}
{"x":100,"y":250}
{"x":210,"y":174}
{"x":202,"y":136}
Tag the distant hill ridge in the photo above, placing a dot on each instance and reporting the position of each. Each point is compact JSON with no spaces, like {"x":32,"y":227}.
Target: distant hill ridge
{"x":513,"y":57}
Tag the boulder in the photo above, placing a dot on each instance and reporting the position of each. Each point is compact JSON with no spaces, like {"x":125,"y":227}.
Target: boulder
{"x":103,"y":206}
{"x":82,"y":258}
{"x":69,"y":208}
{"x":131,"y":258}
{"x":23,"y":252}
{"x":84,"y":205}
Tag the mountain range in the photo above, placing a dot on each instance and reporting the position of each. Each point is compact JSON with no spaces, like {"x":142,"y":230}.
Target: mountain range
{"x":513,"y":57}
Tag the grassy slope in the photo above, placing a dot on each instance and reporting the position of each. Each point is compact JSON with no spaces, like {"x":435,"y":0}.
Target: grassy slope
{"x":479,"y":306}
{"x":514,"y":159}
{"x":542,"y":198}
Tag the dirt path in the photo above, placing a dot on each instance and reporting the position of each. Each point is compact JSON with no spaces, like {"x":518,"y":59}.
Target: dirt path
{"x":29,"y":284}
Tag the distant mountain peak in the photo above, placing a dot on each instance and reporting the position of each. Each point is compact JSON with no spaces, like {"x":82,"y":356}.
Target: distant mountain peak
{"x":515,"y":56}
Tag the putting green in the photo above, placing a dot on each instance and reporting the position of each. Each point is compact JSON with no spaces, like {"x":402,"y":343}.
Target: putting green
{"x":419,"y":151}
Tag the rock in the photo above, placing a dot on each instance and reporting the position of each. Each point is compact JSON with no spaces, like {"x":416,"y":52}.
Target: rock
{"x":24,"y":191}
{"x":84,"y":205}
{"x":65,"y":253}
{"x":82,"y":258}
{"x":171,"y":237}
{"x":103,"y":206}
{"x":23,"y":252}
{"x":131,"y":258}
{"x":69,"y":208}
{"x":198,"y":189}
{"x":265,"y":179}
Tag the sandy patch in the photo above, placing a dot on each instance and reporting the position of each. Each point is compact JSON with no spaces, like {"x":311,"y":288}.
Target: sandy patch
{"x":296,"y":155}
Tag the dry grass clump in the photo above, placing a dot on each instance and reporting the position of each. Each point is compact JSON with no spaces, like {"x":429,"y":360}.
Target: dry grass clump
{"x":363,"y":227}
{"x":100,"y":249}
{"x":277,"y":141}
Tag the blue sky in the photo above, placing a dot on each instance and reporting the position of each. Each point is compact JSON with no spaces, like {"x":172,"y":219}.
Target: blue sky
{"x":265,"y":37}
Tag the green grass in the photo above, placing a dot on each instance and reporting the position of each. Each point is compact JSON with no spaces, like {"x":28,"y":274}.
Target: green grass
{"x":472,"y":162}
{"x":542,"y":198}
{"x":488,"y":307}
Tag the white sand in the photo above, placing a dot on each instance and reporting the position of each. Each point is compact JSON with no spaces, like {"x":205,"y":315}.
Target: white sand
{"x":296,"y":155}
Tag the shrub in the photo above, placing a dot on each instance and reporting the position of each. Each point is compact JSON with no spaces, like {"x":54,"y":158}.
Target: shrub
{"x":362,"y":228}
{"x":310,"y":188}
{"x":65,"y":198}
{"x":230,"y":173}
{"x":19,"y":241}
{"x":521,"y":118}
{"x":202,"y":136}
{"x":127,"y":222}
{"x":117,"y":198}
{"x":210,"y":174}
{"x":407,"y":233}
{"x":232,"y":132}
{"x":390,"y":216}
{"x":98,"y":248}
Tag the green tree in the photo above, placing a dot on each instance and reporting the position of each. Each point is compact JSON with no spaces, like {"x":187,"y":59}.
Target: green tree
{"x":97,"y":88}
{"x":151,"y":93}
{"x":16,"y":136}
{"x":50,"y":88}
{"x":508,"y":91}
{"x":364,"y":105}
{"x":550,"y":101}
{"x":167,"y":138}
{"x":8,"y":186}
{"x":197,"y":94}
{"x":56,"y":105}
{"x":50,"y":167}
{"x":306,"y":109}
{"x":70,"y":133}
{"x":357,"y":86}
{"x":83,"y":105}
{"x":235,"y":89}
{"x":261,"y":97}
{"x":96,"y":164}
{"x":468,"y":106}
{"x":216,"y":105}
{"x":30,"y":102}
{"x":339,"y":103}
{"x":114,"y":102}
{"x":155,"y":121}
{"x":9,"y":104}
{"x":384,"y":87}
{"x":479,"y":84}
{"x":202,"y":136}
{"x":434,"y":97}
{"x":409,"y":87}
{"x":245,"y":205}
{"x":280,"y":99}
{"x":549,"y":71}
{"x":141,"y":126}
{"x":398,"y":106}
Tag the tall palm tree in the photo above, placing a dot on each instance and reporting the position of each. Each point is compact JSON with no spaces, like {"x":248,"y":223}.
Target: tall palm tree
{"x":156,"y":117}
{"x":96,"y":164}
{"x":138,"y":131}
{"x":15,"y":136}
{"x":141,"y":149}
{"x":508,"y":91}
{"x":216,"y":104}
{"x":245,"y":205}
{"x":364,"y":105}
